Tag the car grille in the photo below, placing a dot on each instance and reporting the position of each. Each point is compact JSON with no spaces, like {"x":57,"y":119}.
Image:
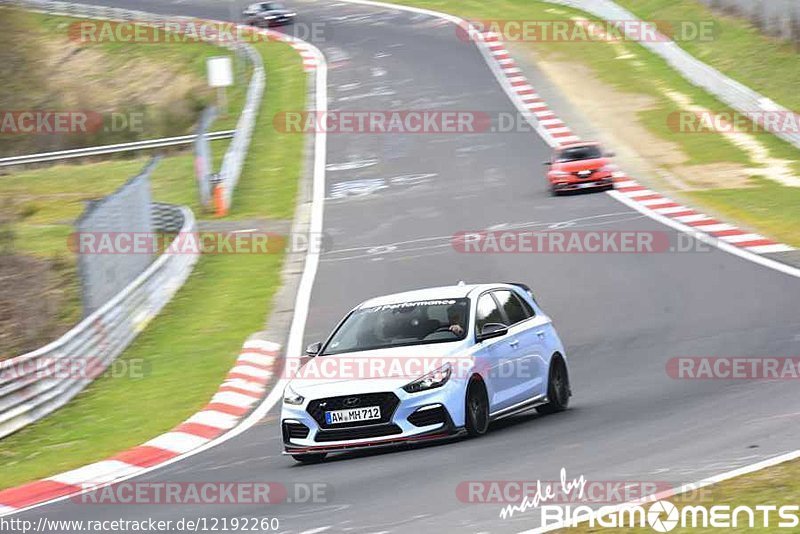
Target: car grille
{"x":430,"y":416}
{"x":294,"y":430}
{"x":586,"y":177}
{"x":362,"y":432}
{"x":387,"y":401}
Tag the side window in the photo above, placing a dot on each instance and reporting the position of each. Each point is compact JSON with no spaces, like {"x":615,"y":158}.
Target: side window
{"x":513,"y":306}
{"x":487,"y":312}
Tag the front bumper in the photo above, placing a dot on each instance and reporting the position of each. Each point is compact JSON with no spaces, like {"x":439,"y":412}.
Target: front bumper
{"x":396,"y":430}
{"x":278,"y":21}
{"x":578,"y":185}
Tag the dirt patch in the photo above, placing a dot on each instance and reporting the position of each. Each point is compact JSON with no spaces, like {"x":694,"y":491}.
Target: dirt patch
{"x":634,"y":143}
{"x":137,"y":96}
{"x":116,"y":84}
{"x":30,"y":303}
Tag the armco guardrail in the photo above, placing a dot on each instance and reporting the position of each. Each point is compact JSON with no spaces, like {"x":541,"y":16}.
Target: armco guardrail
{"x":738,"y":96}
{"x":233,"y":160}
{"x":34,"y":384}
{"x":164,"y":142}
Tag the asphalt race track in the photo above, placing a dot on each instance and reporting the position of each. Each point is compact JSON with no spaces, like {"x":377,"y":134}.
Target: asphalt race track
{"x":393,"y":203}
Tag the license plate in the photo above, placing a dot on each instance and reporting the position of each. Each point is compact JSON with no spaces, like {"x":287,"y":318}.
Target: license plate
{"x":589,"y":184}
{"x":367,"y":413}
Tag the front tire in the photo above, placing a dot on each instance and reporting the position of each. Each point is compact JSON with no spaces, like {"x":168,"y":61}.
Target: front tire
{"x":310,"y":458}
{"x":476,"y":409}
{"x":558,"y":390}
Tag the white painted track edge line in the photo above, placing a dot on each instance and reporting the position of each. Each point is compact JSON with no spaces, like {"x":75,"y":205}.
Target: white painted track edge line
{"x":715,"y":479}
{"x":706,"y":238}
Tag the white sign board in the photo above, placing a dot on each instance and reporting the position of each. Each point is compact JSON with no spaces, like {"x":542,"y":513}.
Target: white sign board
{"x":220,"y":71}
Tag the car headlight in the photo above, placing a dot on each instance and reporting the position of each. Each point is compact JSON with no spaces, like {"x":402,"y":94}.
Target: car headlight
{"x":560,"y":173}
{"x":290,"y":396}
{"x":434,"y":379}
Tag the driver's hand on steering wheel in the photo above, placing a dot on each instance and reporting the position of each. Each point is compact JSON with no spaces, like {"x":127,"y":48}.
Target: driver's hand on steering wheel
{"x":456,"y":329}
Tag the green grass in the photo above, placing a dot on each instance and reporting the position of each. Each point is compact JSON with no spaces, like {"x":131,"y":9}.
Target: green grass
{"x":772,"y":208}
{"x":736,"y":48}
{"x":122,"y":77}
{"x":46,"y":201}
{"x":778,"y":486}
{"x":187,"y":350}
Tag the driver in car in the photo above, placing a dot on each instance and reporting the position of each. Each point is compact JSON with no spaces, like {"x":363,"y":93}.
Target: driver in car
{"x":455,"y":317}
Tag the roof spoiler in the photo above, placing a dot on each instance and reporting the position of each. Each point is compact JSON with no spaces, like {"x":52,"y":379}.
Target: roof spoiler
{"x":525,"y":288}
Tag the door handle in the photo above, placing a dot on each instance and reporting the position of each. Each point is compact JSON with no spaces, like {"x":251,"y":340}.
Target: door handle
{"x":540,"y":333}
{"x":513,"y":344}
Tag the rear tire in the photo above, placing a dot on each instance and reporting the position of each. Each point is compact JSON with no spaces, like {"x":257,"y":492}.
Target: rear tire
{"x":476,"y":404}
{"x":310,"y":458}
{"x":558,"y":390}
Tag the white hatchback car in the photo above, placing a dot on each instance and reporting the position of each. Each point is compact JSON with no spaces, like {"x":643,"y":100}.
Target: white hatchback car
{"x":423,"y":365}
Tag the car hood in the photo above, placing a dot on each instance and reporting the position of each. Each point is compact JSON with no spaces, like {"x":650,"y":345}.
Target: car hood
{"x":372,"y":370}
{"x":580,"y":165}
{"x":275,"y":13}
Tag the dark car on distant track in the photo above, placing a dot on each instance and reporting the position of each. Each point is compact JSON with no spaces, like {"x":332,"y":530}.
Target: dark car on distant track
{"x":266,"y":14}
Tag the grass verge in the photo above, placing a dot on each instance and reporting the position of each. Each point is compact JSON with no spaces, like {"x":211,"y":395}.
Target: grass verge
{"x":38,"y":207}
{"x":187,"y":350}
{"x":776,"y":486}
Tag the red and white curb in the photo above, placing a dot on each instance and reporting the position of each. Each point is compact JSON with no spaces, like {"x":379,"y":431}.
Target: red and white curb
{"x":554,"y":129}
{"x":653,"y":201}
{"x":310,"y":61}
{"x":557,"y":133}
{"x":243,"y":388}
{"x":307,"y":52}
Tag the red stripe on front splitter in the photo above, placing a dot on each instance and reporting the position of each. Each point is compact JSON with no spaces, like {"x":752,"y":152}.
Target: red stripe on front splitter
{"x":35,"y":492}
{"x":367,"y":444}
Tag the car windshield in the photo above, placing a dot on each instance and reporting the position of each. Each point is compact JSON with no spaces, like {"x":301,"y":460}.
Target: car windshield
{"x":406,"y":323}
{"x":578,"y":153}
{"x":269,"y":6}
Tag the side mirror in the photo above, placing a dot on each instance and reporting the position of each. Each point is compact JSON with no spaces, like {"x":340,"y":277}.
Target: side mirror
{"x":491,"y":330}
{"x":313,"y":349}
{"x":547,"y":163}
{"x":610,"y":154}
